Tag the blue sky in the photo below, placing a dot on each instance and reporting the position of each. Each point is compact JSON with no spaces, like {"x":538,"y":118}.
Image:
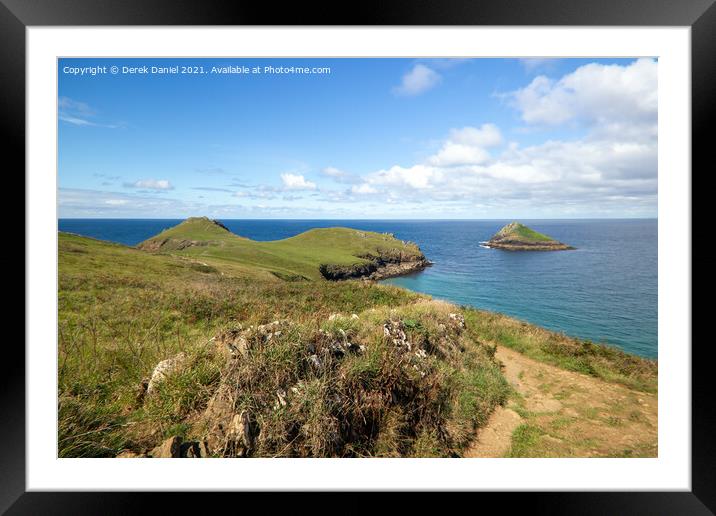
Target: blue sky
{"x":371,"y":138}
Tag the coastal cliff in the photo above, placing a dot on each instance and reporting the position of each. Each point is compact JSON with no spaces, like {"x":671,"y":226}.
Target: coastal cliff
{"x":378,"y":267}
{"x":518,"y":237}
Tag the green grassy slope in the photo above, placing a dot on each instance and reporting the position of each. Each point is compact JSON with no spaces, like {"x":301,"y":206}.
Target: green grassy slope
{"x":123,"y":310}
{"x":292,"y":258}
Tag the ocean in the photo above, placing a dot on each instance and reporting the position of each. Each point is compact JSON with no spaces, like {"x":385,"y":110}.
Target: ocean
{"x":604,"y":291}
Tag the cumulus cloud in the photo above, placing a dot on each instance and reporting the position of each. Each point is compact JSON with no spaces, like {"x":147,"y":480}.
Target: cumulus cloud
{"x":333,"y":172}
{"x":339,"y":176}
{"x":363,"y":189}
{"x":467,"y":146}
{"x":593,"y":94}
{"x":151,"y":184}
{"x":296,"y":182}
{"x":418,"y":80}
{"x":612,"y":168}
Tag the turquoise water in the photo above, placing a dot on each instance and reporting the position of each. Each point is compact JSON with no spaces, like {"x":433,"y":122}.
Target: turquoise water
{"x":605,"y":290}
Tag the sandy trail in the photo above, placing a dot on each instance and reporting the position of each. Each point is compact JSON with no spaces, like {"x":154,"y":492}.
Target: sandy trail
{"x":567,"y":414}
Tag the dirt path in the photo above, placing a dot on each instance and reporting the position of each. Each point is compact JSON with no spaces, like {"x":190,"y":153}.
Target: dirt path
{"x":559,"y":413}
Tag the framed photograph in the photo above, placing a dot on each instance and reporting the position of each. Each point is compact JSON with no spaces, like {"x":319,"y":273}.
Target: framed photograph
{"x":421,"y":249}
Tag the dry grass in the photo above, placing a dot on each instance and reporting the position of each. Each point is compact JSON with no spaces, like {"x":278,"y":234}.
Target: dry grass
{"x":583,"y":356}
{"x":121,"y":311}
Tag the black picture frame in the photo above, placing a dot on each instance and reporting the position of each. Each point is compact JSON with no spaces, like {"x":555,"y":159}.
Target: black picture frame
{"x":700,"y":15}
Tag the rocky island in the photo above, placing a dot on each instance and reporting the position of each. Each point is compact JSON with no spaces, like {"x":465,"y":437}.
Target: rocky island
{"x":518,"y":237}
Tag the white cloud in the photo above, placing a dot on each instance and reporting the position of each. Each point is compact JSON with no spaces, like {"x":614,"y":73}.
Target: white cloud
{"x":78,"y":113}
{"x":296,"y":182}
{"x":77,"y":202}
{"x":583,"y":174}
{"x":610,"y":170}
{"x":418,"y":80}
{"x":417,"y":177}
{"x":339,"y":176}
{"x":467,"y":146}
{"x":151,"y":184}
{"x":363,"y":189}
{"x":488,"y":135}
{"x":593,"y":94}
{"x":333,"y":172}
{"x":457,"y":154}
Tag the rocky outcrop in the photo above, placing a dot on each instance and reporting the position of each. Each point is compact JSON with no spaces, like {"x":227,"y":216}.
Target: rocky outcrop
{"x":388,"y":264}
{"x":170,"y":448}
{"x":509,"y":245}
{"x":172,"y":244}
{"x":518,"y":237}
{"x":163,"y":370}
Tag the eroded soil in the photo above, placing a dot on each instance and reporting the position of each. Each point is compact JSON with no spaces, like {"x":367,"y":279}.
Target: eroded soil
{"x":559,"y":413}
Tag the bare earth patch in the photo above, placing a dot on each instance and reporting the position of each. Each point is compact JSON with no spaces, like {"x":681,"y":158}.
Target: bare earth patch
{"x":559,"y":413}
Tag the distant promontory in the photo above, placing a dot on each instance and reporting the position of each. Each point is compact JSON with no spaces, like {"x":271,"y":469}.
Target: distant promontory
{"x":329,"y":253}
{"x":518,"y":237}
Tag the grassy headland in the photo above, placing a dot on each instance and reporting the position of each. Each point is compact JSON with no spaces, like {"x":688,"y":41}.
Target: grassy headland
{"x":271,"y":366}
{"x":308,"y":256}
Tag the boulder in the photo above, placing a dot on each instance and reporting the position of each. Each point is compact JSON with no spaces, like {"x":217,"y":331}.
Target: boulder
{"x":163,"y":370}
{"x":194,"y":450}
{"x":127,"y":454}
{"x":240,"y":435}
{"x":171,"y":448}
{"x":218,"y":414}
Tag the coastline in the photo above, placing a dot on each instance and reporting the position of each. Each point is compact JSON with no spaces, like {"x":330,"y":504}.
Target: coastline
{"x":522,"y":246}
{"x":449,"y":246}
{"x":287,"y":346}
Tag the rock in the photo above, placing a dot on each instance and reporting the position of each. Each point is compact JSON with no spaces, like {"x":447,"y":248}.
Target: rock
{"x":394,"y":330}
{"x":269,"y":331}
{"x":518,"y":237}
{"x":281,"y":401}
{"x":126,"y":454}
{"x":458,"y":319}
{"x":391,"y":270}
{"x":170,"y":448}
{"x":387,"y":264}
{"x":265,"y":329}
{"x":233,"y":343}
{"x":315,"y":362}
{"x":240,"y":435}
{"x":163,"y":370}
{"x":217,"y":415}
{"x":194,"y":450}
{"x":354,"y":316}
{"x":141,"y":390}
